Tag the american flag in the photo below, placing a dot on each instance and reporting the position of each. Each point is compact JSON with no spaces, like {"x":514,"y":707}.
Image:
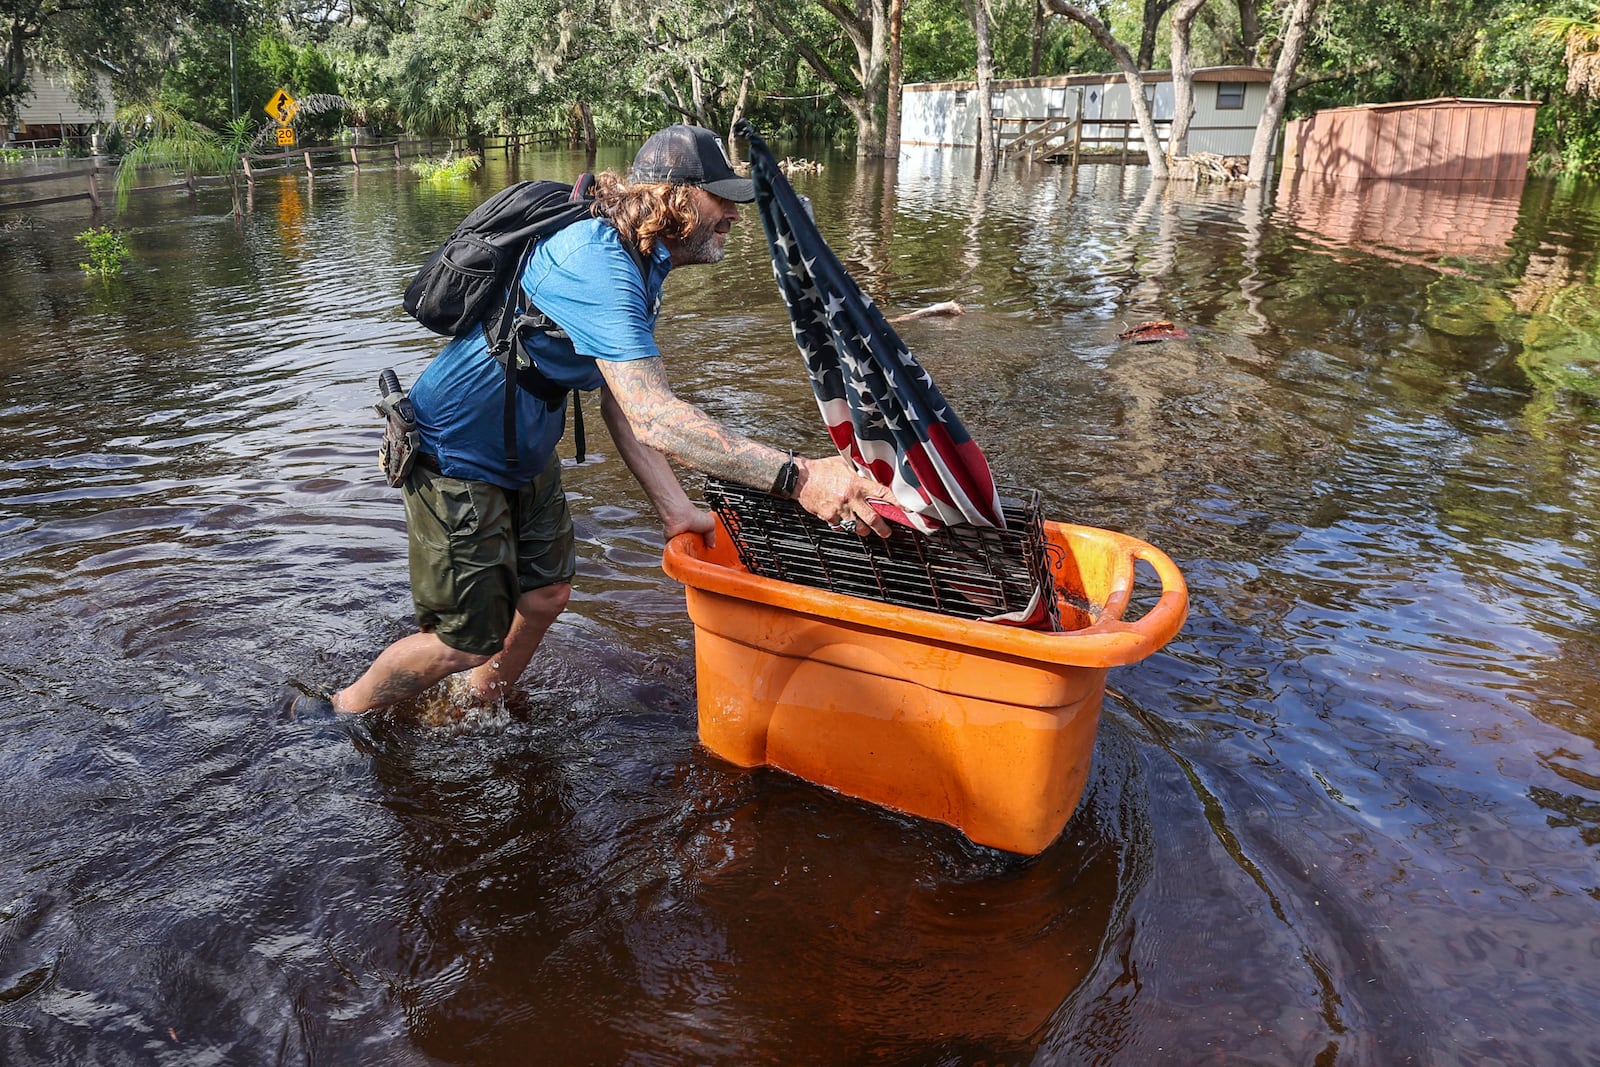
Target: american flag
{"x":882,"y":409}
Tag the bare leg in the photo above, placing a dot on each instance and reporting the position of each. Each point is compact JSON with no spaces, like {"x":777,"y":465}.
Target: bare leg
{"x":536,"y":610}
{"x":405,"y":669}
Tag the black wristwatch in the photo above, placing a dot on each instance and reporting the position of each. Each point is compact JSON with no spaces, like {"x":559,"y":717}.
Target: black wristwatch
{"x":787,"y":482}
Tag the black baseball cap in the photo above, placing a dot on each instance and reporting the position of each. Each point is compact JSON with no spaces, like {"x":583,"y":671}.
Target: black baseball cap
{"x":691,"y":155}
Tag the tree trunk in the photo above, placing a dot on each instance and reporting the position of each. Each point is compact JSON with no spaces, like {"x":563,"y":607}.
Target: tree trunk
{"x":868,"y":31}
{"x":1250,"y":32}
{"x":988,"y":136}
{"x":586,"y":122}
{"x":891,"y":121}
{"x":697,"y":93}
{"x":1182,"y":78}
{"x":1295,"y":32}
{"x":1153,"y":11}
{"x":875,"y":81}
{"x":14,"y":75}
{"x":740,"y":104}
{"x":1038,"y":39}
{"x":1130,"y":74}
{"x":676,"y":101}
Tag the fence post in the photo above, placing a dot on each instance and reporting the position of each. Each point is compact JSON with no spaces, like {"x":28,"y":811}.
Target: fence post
{"x":94,"y":192}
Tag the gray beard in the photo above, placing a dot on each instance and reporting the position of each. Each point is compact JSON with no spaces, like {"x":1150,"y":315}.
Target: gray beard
{"x":701,"y":247}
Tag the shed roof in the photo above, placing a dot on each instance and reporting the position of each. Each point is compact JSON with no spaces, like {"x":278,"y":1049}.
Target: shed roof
{"x":1434,"y":102}
{"x":1201,"y":74}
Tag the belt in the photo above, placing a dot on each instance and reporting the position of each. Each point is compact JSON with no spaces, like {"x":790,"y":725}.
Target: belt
{"x":427,"y":461}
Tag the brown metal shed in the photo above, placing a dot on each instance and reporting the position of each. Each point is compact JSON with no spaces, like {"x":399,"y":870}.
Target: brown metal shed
{"x":1450,"y":138}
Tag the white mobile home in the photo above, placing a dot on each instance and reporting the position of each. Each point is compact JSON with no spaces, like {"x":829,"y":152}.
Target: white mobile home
{"x":1228,"y":102}
{"x":51,"y":111}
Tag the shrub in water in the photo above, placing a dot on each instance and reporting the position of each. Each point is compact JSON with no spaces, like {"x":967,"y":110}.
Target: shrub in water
{"x":446,"y":168}
{"x":107,"y":251}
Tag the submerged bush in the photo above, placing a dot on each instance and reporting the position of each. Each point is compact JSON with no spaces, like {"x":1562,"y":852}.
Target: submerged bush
{"x":107,"y":251}
{"x":446,"y":169}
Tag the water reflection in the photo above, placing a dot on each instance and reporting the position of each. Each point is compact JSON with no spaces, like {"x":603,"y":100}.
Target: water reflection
{"x":749,"y":918}
{"x":1427,"y":220}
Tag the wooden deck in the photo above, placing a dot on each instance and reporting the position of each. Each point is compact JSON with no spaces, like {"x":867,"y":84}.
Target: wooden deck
{"x":1061,"y":139}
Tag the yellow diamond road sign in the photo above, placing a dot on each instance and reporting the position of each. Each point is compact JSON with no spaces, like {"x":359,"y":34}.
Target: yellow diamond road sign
{"x":282,"y":107}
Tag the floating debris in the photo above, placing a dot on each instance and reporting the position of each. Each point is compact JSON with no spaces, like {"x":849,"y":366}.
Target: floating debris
{"x":1154,"y":330}
{"x":943,"y":307}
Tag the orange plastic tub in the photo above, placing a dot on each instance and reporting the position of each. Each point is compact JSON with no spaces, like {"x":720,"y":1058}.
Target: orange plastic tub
{"x":986,"y":727}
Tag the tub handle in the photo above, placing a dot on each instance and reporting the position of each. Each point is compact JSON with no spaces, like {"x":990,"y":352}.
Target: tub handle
{"x":1163,"y":621}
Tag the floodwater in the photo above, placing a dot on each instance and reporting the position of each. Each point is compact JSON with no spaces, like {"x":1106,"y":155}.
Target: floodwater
{"x":1351,"y":815}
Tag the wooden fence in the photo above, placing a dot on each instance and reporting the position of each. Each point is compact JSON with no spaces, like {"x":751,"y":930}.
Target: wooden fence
{"x":94,"y":182}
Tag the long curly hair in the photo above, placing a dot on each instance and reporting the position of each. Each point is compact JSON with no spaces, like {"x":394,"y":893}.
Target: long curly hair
{"x":647,"y":212}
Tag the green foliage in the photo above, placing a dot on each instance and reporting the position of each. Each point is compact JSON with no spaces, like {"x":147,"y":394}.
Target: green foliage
{"x":366,"y":80}
{"x":489,"y":66}
{"x":937,"y":41}
{"x":12,"y":155}
{"x":199,"y":84}
{"x":83,"y":38}
{"x":1474,"y":48}
{"x":164,"y":139}
{"x":1580,"y":148}
{"x":940,"y":45}
{"x":446,"y":169}
{"x":107,"y":251}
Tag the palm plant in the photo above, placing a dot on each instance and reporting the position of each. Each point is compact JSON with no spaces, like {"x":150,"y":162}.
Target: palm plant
{"x":163,"y":138}
{"x":1582,"y":41}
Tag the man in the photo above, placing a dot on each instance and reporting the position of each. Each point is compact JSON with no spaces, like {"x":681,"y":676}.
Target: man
{"x":491,"y":544}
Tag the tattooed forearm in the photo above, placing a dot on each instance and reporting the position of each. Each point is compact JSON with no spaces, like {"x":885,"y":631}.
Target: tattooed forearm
{"x":679,"y":429}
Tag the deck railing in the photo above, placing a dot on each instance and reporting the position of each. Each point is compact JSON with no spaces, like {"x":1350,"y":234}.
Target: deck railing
{"x":1039,"y":139}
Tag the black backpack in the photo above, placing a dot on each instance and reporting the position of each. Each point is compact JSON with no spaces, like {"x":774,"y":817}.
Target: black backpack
{"x":467,"y":281}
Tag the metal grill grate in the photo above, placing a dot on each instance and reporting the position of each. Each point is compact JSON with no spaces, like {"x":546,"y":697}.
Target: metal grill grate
{"x":969,"y":572}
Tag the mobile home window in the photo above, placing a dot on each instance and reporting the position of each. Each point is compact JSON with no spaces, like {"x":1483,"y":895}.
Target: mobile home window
{"x":961,"y":98}
{"x":997,"y":103}
{"x":1057,"y":103}
{"x":1230,"y":96}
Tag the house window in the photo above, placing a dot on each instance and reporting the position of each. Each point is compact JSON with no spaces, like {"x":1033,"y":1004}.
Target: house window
{"x":1230,"y":96}
{"x":961,"y":98}
{"x":1056,"y":104}
{"x":997,"y":104}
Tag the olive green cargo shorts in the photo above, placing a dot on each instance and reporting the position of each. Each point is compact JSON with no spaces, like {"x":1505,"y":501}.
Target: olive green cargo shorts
{"x":475,"y":548}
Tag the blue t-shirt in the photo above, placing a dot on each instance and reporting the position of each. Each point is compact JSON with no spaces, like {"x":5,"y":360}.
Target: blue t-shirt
{"x":584,"y":281}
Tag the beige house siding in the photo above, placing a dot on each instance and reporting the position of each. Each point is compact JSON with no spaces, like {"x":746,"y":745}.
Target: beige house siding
{"x":52,"y":102}
{"x":946,"y":113}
